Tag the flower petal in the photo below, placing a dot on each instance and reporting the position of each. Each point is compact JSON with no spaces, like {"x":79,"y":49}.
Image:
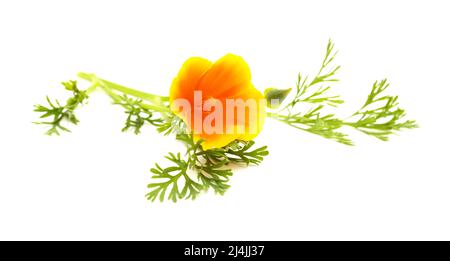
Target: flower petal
{"x":254,"y":116}
{"x":226,"y":77}
{"x":186,"y":82}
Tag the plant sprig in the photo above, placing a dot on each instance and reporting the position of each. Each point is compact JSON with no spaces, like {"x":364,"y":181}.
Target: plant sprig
{"x":379,"y":117}
{"x":325,"y":125}
{"x":62,"y":113}
{"x":167,"y":179}
{"x":316,"y":90}
{"x":137,"y":114}
{"x":201,"y":169}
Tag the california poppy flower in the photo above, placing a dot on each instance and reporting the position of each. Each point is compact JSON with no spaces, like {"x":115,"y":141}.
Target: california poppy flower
{"x":217,"y":101}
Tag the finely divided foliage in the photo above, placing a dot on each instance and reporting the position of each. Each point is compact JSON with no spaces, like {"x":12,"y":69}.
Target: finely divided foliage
{"x":202,"y":169}
{"x":197,"y":170}
{"x":60,"y":113}
{"x":379,"y":117}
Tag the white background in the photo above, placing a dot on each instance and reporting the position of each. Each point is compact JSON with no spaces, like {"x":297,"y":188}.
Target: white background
{"x":90,"y":184}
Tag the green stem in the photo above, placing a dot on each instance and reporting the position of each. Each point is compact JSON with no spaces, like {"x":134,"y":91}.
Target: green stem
{"x":117,"y":99}
{"x":155,"y":99}
{"x":272,"y":115}
{"x":92,"y":88}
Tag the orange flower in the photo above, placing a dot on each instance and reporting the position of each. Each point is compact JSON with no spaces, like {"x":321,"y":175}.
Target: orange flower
{"x":217,"y":101}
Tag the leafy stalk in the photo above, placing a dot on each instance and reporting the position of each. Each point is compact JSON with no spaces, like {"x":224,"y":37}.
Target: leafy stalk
{"x":201,"y":170}
{"x":316,"y":90}
{"x":63,"y":113}
{"x":379,"y":117}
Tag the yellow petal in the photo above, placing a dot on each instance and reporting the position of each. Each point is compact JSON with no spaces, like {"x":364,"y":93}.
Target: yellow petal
{"x":226,"y":77}
{"x":186,"y":82}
